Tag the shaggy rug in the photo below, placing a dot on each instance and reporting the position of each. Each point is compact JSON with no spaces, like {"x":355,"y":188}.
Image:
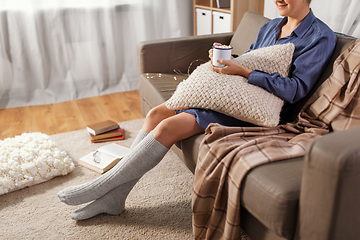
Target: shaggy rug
{"x":159,"y":207}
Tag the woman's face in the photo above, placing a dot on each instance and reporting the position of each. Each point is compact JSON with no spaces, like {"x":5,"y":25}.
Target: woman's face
{"x":291,"y":8}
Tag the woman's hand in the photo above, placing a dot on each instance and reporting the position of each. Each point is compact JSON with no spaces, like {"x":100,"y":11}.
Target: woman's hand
{"x":231,"y":68}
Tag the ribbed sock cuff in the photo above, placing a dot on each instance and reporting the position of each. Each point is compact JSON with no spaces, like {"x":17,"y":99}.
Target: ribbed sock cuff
{"x":141,"y":135}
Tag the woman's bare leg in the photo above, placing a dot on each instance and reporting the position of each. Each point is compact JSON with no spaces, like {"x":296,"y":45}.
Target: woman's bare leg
{"x":168,"y":127}
{"x":143,"y":157}
{"x":176,"y":128}
{"x":168,"y":131}
{"x":153,"y":118}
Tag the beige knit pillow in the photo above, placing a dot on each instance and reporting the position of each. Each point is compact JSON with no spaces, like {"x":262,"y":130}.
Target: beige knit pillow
{"x":233,"y":95}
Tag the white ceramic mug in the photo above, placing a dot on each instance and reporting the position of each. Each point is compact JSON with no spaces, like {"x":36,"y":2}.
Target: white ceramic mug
{"x":221,"y":52}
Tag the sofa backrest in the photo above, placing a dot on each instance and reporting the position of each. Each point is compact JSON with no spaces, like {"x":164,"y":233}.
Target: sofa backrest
{"x":246,"y":34}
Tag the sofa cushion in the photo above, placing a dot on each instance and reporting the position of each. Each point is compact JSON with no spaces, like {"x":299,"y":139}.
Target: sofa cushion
{"x":156,"y":88}
{"x":271,"y":192}
{"x":232,"y":94}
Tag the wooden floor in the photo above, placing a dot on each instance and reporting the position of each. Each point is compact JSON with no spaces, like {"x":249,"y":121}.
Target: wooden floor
{"x":69,"y":116}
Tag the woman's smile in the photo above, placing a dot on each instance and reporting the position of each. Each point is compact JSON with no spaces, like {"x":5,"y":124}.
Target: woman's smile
{"x":280,"y":5}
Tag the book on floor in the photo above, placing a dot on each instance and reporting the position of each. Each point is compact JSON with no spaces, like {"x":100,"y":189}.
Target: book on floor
{"x":109,"y":139}
{"x":102,"y":127}
{"x":104,"y":158}
{"x":113,"y":133}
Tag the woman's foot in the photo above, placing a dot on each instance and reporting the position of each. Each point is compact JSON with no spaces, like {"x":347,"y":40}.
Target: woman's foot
{"x":112,"y":203}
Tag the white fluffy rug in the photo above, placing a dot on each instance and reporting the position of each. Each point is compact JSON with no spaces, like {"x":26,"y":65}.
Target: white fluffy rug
{"x":159,"y":207}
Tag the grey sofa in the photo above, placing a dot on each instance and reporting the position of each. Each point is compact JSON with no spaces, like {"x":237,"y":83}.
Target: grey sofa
{"x":311,"y":197}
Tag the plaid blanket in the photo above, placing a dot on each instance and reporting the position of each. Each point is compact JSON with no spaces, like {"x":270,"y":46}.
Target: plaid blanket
{"x":228,"y":153}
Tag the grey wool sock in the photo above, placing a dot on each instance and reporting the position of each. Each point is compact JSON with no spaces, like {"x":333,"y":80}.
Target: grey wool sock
{"x":143,"y":157}
{"x":112,"y":203}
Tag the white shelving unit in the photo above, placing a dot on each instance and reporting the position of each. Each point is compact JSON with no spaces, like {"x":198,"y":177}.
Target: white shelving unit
{"x":208,"y":18}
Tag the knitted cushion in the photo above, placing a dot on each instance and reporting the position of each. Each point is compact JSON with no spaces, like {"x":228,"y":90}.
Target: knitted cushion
{"x":232,"y":94}
{"x":29,"y":159}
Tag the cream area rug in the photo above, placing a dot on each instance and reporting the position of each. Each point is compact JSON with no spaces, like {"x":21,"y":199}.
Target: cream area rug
{"x":159,"y":206}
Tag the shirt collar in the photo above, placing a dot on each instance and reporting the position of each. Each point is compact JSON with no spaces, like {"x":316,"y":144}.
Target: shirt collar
{"x":303,"y":27}
{"x":305,"y":24}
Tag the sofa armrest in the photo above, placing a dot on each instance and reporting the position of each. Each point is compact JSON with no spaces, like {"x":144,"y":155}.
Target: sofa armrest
{"x":163,"y":56}
{"x":330,"y":193}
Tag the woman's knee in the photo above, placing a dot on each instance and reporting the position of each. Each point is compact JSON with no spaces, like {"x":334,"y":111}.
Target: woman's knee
{"x":171,"y":130}
{"x":165,"y":134}
{"x":155,"y":116}
{"x":159,"y":112}
{"x":153,"y":112}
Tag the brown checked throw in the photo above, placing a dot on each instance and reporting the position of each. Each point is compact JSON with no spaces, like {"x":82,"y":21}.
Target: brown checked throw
{"x":228,"y":153}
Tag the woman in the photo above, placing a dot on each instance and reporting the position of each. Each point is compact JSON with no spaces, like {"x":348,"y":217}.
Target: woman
{"x":314,"y":43}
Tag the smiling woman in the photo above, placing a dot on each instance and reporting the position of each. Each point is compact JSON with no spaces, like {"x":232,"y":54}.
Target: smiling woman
{"x":341,"y":16}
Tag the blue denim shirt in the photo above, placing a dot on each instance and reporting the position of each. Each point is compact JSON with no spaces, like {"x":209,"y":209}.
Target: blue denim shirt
{"x":314,"y":43}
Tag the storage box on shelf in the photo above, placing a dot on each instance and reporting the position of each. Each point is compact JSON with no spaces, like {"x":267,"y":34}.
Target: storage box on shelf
{"x":221,"y":22}
{"x":211,"y":17}
{"x":203,"y":21}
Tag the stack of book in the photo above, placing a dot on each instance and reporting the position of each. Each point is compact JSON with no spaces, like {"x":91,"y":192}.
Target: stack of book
{"x":105,"y":131}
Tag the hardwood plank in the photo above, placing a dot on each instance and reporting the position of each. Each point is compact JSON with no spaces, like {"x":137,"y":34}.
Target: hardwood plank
{"x":23,"y":123}
{"x":133,"y":102}
{"x":92,"y":110}
{"x":14,"y":121}
{"x":43,"y":119}
{"x":121,"y":107}
{"x":69,"y":116}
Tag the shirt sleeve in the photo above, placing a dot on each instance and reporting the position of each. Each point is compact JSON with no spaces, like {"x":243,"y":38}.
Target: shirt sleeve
{"x":305,"y":70}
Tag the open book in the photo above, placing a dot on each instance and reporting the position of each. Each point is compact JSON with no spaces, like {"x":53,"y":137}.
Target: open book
{"x":104,"y":158}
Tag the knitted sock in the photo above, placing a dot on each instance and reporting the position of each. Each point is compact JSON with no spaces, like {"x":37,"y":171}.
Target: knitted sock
{"x":143,"y":157}
{"x":113,"y":202}
{"x":141,"y":135}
